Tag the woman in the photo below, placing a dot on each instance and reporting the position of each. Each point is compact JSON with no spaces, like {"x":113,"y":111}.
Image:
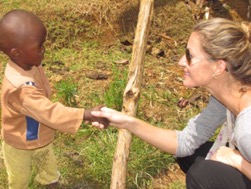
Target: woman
{"x":218,"y":57}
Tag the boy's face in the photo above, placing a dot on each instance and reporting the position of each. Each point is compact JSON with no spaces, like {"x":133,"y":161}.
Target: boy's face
{"x":31,"y":52}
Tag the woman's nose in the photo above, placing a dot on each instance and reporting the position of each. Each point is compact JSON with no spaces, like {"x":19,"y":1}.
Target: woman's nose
{"x":182,"y":61}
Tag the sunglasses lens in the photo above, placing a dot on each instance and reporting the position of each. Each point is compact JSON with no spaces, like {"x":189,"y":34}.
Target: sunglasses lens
{"x":188,"y":57}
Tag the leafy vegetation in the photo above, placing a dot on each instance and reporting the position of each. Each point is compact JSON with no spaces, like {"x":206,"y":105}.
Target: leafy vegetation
{"x":113,"y":96}
{"x":66,"y":91}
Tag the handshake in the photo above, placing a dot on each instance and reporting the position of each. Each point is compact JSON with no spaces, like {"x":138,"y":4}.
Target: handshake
{"x":101,"y":117}
{"x":89,"y":118}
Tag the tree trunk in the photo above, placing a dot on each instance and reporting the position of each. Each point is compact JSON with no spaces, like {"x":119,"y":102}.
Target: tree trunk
{"x":132,"y":93}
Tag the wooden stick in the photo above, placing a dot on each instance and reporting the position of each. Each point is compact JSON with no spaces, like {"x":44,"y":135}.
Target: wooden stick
{"x":132,"y":93}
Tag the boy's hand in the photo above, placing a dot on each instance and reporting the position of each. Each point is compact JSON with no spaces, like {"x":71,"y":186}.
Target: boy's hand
{"x":88,"y":117}
{"x":117,"y":119}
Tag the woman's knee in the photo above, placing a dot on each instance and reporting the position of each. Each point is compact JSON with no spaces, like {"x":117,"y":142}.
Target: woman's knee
{"x":196,"y":176}
{"x":209,"y":174}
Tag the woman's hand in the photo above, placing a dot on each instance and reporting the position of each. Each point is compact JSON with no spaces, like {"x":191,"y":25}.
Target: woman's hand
{"x":228,"y":156}
{"x":89,"y":118}
{"x":116,"y":119}
{"x":163,"y":139}
{"x":233,"y":158}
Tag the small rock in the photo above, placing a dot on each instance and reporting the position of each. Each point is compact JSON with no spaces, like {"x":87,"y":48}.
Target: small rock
{"x":96,"y":75}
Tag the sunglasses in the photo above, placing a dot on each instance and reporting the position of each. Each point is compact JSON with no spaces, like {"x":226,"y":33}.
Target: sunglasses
{"x":190,"y":59}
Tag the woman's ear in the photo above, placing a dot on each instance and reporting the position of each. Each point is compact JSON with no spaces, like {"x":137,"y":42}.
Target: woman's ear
{"x":221,"y":66}
{"x":15,"y":54}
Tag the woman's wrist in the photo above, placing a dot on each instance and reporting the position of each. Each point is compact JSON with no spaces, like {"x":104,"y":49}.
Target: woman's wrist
{"x":237,"y":159}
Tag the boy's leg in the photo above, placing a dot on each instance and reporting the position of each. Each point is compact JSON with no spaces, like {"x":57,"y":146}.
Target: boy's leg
{"x":45,"y":161}
{"x":18,"y":166}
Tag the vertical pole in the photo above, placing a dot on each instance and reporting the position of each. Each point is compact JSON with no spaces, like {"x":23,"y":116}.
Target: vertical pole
{"x":132,"y":93}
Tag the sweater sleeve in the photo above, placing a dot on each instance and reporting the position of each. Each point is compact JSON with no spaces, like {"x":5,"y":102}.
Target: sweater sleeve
{"x":31,"y":102}
{"x":200,"y":128}
{"x":242,"y":133}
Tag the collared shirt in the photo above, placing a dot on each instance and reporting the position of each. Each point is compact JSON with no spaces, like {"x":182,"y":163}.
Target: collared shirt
{"x":29,"y":117}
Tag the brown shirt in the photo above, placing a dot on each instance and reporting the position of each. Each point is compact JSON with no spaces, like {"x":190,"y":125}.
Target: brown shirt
{"x":29,"y":118}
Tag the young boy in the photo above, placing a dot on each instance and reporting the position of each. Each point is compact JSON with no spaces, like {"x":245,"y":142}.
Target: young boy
{"x":29,"y":118}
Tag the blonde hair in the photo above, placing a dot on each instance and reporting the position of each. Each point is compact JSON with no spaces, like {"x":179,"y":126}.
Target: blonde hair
{"x":223,"y":39}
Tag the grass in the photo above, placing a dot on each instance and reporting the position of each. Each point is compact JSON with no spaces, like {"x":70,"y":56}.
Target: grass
{"x":75,"y":46}
{"x":66,"y":92}
{"x":113,"y":96}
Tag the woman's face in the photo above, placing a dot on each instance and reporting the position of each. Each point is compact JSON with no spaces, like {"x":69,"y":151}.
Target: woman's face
{"x":198,"y":68}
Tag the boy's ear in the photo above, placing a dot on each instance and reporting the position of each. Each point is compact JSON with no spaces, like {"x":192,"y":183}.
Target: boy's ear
{"x":15,"y":54}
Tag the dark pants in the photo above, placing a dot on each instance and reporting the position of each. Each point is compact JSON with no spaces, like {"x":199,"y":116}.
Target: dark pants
{"x":207,"y":174}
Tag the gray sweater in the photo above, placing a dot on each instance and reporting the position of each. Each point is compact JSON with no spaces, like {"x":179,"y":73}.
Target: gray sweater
{"x":202,"y":127}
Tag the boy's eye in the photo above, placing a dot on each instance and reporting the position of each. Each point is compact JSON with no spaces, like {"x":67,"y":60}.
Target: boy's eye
{"x":41,"y":45}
